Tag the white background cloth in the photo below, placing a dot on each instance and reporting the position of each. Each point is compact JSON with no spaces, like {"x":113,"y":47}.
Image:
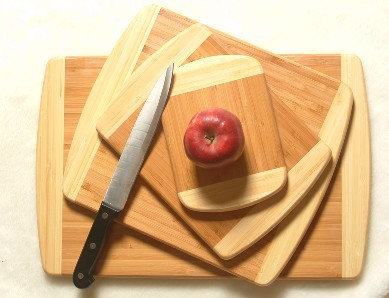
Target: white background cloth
{"x":31,"y":32}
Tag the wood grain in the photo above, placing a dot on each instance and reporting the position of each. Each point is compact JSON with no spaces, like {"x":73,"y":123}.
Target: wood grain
{"x":237,"y":84}
{"x":127,"y":253}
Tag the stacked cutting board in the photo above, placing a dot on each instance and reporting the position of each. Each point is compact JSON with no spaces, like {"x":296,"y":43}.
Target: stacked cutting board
{"x":295,"y":205}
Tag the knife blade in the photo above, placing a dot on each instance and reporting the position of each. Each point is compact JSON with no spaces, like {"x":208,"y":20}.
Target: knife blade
{"x":128,"y":167}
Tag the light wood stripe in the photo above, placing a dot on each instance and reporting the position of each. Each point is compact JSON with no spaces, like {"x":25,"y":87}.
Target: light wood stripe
{"x":356,"y":169}
{"x":49,"y":166}
{"x":263,"y":217}
{"x":229,"y":195}
{"x":213,"y":71}
{"x":291,"y":230}
{"x":139,"y":86}
{"x":119,"y":64}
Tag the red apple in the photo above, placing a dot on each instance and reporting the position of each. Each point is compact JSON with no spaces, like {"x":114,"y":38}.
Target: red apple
{"x":214,"y":138}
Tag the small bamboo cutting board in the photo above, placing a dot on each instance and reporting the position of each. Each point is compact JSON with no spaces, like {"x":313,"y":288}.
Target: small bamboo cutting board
{"x":236,"y":84}
{"x":329,"y":249}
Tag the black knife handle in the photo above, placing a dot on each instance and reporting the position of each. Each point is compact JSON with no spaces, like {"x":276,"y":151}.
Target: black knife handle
{"x":83,"y":273}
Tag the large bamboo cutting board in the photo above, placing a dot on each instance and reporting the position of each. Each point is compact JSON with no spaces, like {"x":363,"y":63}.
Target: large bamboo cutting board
{"x":144,"y":214}
{"x":328,"y":250}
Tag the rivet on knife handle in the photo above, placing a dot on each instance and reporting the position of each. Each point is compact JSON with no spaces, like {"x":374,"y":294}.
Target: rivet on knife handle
{"x":83,"y":273}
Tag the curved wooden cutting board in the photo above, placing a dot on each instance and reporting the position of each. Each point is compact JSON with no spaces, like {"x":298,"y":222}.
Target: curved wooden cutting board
{"x":305,"y":154}
{"x":62,"y":227}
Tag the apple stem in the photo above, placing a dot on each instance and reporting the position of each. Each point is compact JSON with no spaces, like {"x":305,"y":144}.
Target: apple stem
{"x":210,"y":139}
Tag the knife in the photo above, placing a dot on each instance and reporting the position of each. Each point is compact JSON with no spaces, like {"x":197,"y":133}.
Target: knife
{"x":127,"y":170}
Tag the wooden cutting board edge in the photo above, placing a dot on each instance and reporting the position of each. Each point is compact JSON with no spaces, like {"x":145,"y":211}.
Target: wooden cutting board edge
{"x":356,"y":195}
{"x":356,"y":191}
{"x":49,"y":166}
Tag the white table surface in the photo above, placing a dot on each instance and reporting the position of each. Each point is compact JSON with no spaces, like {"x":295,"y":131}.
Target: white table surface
{"x":31,"y":32}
